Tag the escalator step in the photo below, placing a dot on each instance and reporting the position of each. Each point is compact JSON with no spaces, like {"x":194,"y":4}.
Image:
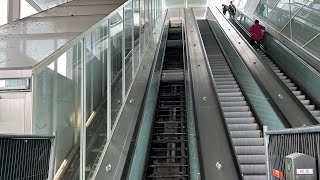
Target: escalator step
{"x":315,"y":113}
{"x":233,"y":104}
{"x":224,"y":79}
{"x":246,"y":134}
{"x":235,"y":108}
{"x":227,"y":86}
{"x":305,"y":102}
{"x":243,"y":127}
{"x":255,"y":177}
{"x":240,"y":120}
{"x":237,"y":114}
{"x":310,"y":107}
{"x":228,"y":90}
{"x":230,"y":94}
{"x":250,"y":150}
{"x":231,"y":99}
{"x":224,"y":76}
{"x":254,"y":169}
{"x":233,"y":82}
{"x":251,"y":159}
{"x":296,"y":93}
{"x":248,"y":141}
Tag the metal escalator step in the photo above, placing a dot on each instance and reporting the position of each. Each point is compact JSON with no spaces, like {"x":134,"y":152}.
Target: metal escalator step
{"x":233,"y":82}
{"x":220,"y":69}
{"x":224,"y":79}
{"x":280,"y":74}
{"x":248,"y":141}
{"x":228,"y":90}
{"x":305,"y":102}
{"x":233,"y":104}
{"x":231,"y":99}
{"x":283,"y":77}
{"x":301,"y":97}
{"x":255,"y":177}
{"x":230,"y":94}
{"x":252,"y":159}
{"x":290,"y":84}
{"x":240,"y":120}
{"x":310,"y":107}
{"x":296,"y":93}
{"x":235,"y":108}
{"x":315,"y":113}
{"x":223,"y":76}
{"x":258,"y":169}
{"x":243,"y":127}
{"x":246,"y":134}
{"x":237,"y":114}
{"x":294,"y":88}
{"x":276,"y":70}
{"x":220,"y":72}
{"x":250,"y":150}
{"x":227,"y":86}
{"x":318,"y":119}
{"x":286,"y":81}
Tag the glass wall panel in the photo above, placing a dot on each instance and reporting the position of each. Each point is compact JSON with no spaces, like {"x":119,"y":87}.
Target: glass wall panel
{"x":96,"y":83}
{"x":314,"y":46}
{"x":142,"y":28}
{"x":262,"y":9}
{"x":57,"y":106}
{"x":128,"y":30}
{"x":26,"y":9}
{"x":147,"y":21}
{"x":287,"y":31}
{"x":302,"y":31}
{"x":116,"y":30}
{"x":280,"y":15}
{"x":137,"y":39}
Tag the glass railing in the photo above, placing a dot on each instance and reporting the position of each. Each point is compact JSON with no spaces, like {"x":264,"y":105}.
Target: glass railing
{"x":79,"y":95}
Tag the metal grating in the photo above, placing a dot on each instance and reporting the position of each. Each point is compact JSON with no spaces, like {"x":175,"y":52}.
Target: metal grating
{"x":24,"y":158}
{"x":168,"y":155}
{"x":281,"y":145}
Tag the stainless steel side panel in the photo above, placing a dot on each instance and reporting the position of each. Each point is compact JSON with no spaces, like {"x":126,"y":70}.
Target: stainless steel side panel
{"x":214,"y":147}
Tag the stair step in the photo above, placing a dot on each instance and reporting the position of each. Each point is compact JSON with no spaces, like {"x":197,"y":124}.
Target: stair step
{"x":253,"y":169}
{"x":246,"y":134}
{"x":243,"y":127}
{"x":248,"y":141}
{"x":252,"y":159}
{"x":250,"y":150}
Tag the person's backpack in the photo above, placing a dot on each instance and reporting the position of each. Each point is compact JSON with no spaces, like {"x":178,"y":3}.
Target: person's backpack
{"x":232,"y":8}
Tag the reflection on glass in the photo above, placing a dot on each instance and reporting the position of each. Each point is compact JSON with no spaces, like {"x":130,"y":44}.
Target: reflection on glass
{"x":280,"y":15}
{"x":314,"y":46}
{"x":128,"y":33}
{"x":96,"y":83}
{"x":116,"y":30}
{"x":57,"y":106}
{"x":262,"y":9}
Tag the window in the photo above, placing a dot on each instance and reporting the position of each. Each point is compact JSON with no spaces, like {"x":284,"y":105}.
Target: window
{"x":26,"y":9}
{"x":3,"y":12}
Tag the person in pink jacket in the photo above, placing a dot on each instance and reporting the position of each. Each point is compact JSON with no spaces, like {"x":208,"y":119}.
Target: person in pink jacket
{"x":256,"y":33}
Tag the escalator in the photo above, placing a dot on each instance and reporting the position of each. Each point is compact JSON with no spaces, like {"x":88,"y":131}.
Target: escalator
{"x":245,"y":132}
{"x":294,"y":88}
{"x":304,"y":99}
{"x":168,"y":153}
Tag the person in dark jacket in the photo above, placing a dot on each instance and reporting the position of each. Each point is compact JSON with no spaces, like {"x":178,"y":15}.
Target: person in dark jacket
{"x":232,"y":10}
{"x":256,"y":33}
{"x":224,"y":9}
